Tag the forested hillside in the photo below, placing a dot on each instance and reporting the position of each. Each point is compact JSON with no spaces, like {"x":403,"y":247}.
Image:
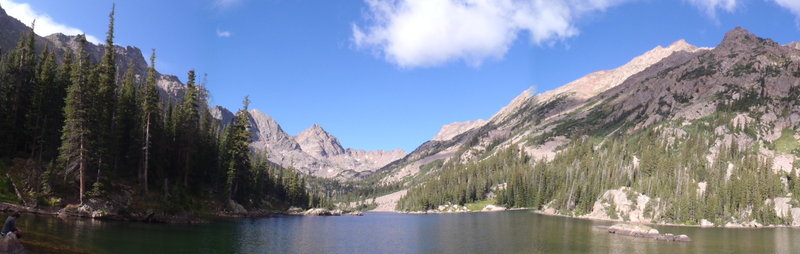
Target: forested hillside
{"x":707,"y":137}
{"x":78,"y":137}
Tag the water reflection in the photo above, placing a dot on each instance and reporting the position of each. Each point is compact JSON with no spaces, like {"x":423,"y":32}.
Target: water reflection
{"x":499,"y":232}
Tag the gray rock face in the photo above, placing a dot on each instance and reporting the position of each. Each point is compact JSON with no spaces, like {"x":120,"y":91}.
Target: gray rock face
{"x":221,"y":114}
{"x":268,"y":134}
{"x":318,"y":143}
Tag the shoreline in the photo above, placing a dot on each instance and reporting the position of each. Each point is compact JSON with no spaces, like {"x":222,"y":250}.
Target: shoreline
{"x":202,"y":219}
{"x":540,"y":212}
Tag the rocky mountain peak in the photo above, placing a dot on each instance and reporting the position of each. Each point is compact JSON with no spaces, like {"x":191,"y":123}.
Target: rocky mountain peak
{"x":319,"y":143}
{"x":681,"y":45}
{"x":741,"y":38}
{"x":268,"y":133}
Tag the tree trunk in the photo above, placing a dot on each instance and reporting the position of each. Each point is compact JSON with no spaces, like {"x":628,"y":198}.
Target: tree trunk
{"x":82,"y":167}
{"x":146,"y":153}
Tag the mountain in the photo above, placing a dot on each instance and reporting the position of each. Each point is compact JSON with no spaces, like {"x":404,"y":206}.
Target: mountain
{"x":691,"y":135}
{"x":313,"y":151}
{"x":514,"y":121}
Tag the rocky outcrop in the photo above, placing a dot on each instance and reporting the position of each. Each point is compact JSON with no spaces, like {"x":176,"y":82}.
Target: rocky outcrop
{"x":622,"y":204}
{"x":326,"y":212}
{"x":645,"y":232}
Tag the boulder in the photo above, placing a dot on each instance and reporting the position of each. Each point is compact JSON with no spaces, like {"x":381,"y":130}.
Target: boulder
{"x":236,"y":208}
{"x":645,"y":232}
{"x":9,"y":244}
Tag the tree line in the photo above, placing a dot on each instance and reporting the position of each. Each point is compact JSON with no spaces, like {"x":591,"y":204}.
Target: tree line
{"x":92,"y":134}
{"x":670,"y":169}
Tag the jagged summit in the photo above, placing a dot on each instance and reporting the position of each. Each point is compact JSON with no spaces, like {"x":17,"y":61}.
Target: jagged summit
{"x":319,"y":143}
{"x":740,"y":38}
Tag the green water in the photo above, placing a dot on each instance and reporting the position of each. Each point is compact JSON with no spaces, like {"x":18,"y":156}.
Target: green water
{"x":499,"y":232}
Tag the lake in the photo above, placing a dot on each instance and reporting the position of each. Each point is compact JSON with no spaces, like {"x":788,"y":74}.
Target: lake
{"x":497,"y":232}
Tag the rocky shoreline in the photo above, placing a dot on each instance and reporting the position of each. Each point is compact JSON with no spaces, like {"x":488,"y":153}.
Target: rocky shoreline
{"x":93,"y":212}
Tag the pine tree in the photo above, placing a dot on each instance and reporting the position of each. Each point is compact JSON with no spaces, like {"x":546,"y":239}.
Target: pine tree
{"x":238,"y":152}
{"x":151,"y":112}
{"x":75,"y":141}
{"x":106,"y":99}
{"x":189,"y":126}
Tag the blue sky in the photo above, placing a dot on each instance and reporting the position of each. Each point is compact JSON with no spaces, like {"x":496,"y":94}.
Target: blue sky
{"x":382,"y":74}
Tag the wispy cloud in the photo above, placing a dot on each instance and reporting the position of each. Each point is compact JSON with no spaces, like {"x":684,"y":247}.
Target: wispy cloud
{"x":45,"y":25}
{"x":225,"y":4}
{"x":792,"y":5}
{"x":710,"y":7}
{"x":419,"y":33}
{"x":223,"y":34}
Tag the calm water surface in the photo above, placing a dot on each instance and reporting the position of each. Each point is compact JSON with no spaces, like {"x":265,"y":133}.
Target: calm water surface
{"x":499,"y":232}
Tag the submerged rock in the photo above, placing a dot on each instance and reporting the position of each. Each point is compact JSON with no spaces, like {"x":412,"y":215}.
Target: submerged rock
{"x":645,"y":232}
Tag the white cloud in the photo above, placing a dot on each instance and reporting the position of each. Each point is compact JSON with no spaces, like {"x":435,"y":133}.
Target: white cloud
{"x":418,"y":33}
{"x":711,"y":6}
{"x":792,"y":5}
{"x":45,"y":25}
{"x":223,"y":34}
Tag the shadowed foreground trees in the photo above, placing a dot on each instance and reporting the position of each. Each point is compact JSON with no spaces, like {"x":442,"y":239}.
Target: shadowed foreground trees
{"x":92,"y":135}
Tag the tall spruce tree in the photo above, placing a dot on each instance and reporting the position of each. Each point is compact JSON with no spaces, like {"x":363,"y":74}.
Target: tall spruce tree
{"x":237,"y":153}
{"x":76,"y":144}
{"x":151,"y":112}
{"x":189,"y":121}
{"x":106,"y":99}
